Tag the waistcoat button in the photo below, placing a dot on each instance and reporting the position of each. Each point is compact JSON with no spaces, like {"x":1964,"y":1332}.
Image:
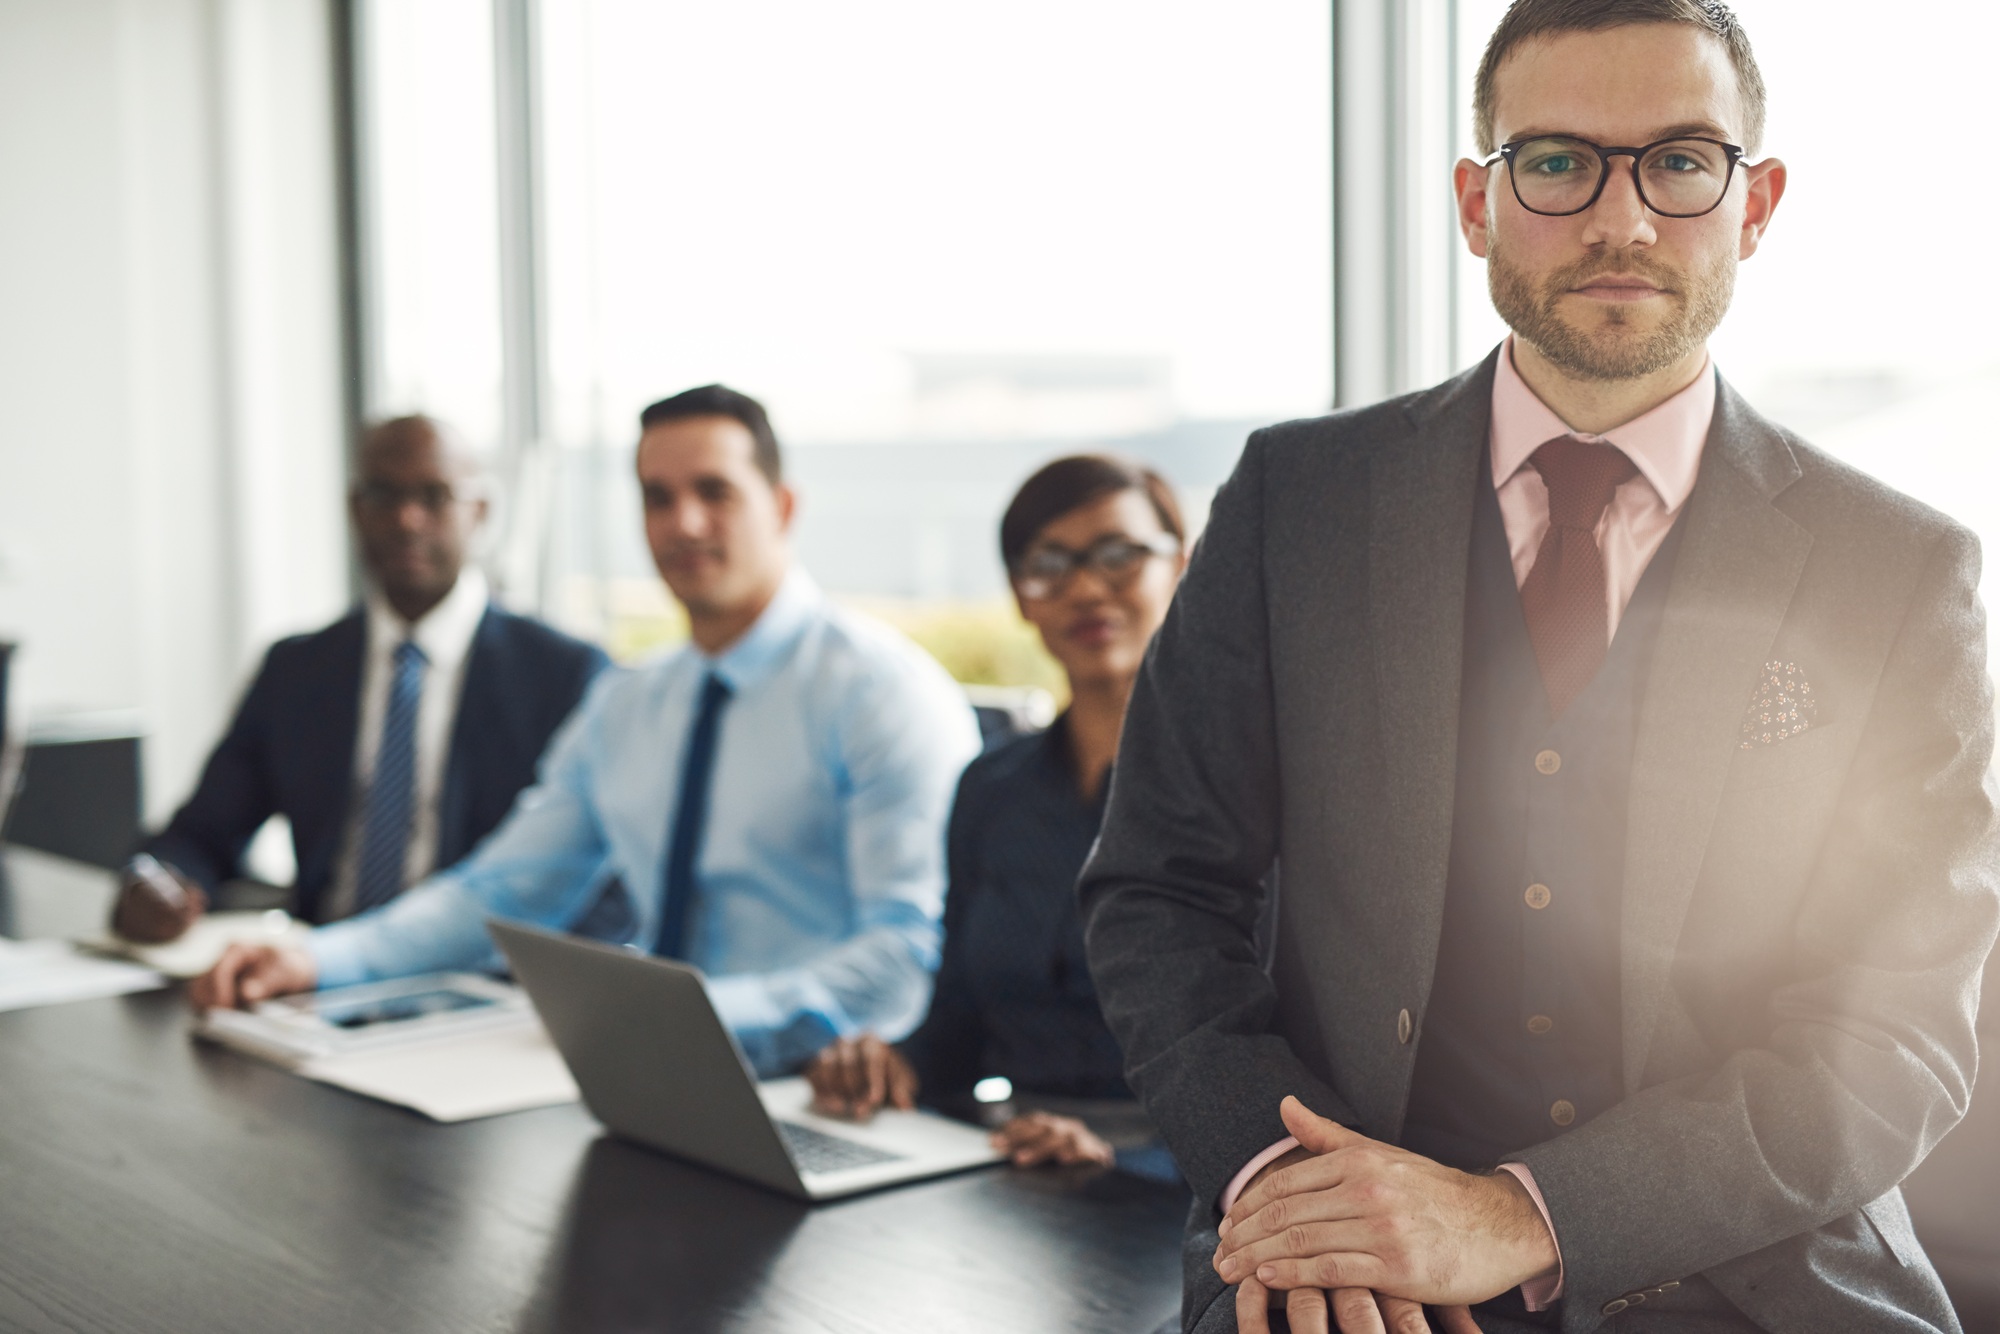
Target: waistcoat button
{"x":1537,"y":896}
{"x":1548,"y":762}
{"x":1563,"y":1112}
{"x":1403,"y":1027}
{"x":1615,"y":1305}
{"x":1539,"y":1024}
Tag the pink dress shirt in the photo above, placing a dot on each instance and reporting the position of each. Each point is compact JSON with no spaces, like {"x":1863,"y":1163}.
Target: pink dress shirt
{"x":1665,"y":444}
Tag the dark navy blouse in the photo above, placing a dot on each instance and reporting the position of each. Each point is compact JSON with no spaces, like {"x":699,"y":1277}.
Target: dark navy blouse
{"x":1014,"y":995}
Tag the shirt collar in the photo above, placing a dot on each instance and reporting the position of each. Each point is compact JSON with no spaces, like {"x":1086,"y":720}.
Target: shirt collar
{"x":1059,"y":756}
{"x":770,"y":638}
{"x":445,"y":631}
{"x":1664,"y":443}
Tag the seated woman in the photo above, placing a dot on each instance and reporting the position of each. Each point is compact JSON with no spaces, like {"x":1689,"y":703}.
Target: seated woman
{"x":1093,"y":546}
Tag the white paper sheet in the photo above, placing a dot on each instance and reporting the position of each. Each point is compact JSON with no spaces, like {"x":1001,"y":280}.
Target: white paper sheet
{"x":458,"y":1079}
{"x":196,"y":952}
{"x":48,"y":972}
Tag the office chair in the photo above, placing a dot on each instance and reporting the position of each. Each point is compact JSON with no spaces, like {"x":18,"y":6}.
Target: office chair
{"x":78,"y":793}
{"x":10,"y":748}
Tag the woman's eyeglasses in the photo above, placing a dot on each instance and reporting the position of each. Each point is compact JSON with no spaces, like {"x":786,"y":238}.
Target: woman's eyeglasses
{"x":1046,"y":568}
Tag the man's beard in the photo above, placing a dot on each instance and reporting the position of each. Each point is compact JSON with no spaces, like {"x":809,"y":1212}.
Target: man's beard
{"x":1615,"y":350}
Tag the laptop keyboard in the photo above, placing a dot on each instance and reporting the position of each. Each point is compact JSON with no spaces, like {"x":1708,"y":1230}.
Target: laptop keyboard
{"x":816,"y":1151}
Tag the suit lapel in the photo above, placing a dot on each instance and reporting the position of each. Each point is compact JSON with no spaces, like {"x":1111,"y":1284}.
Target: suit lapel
{"x":480,"y":696}
{"x":1740,"y":558}
{"x":1421,"y":493}
{"x":329,"y":719}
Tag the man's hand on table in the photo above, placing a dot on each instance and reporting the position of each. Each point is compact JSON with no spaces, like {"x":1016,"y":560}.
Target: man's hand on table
{"x":1352,"y":1215}
{"x":155,"y":903}
{"x":247,"y":973}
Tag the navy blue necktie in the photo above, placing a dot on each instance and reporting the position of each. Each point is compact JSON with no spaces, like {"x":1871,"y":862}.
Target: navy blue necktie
{"x":690,"y":818}
{"x":388,"y":812}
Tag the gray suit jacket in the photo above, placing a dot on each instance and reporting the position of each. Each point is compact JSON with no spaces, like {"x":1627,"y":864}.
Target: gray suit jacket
{"x":1803,"y":923}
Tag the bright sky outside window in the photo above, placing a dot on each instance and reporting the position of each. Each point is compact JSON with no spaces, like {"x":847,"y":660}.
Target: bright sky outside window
{"x":809,"y":199}
{"x":944,"y":243}
{"x":432,"y":228}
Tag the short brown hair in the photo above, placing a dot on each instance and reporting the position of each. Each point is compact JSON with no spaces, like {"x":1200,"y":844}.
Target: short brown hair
{"x":1526,"y":20}
{"x":718,"y":400}
{"x":1070,"y":484}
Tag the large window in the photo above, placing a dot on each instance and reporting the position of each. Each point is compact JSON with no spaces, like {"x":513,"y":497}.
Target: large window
{"x":943,"y":243}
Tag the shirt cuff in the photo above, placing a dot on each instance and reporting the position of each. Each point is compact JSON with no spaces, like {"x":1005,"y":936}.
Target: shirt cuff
{"x":338,"y":955}
{"x":779,"y":1019}
{"x":1539,"y":1294}
{"x":1251,"y":1168}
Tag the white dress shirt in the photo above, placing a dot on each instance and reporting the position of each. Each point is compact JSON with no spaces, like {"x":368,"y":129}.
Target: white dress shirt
{"x":445,"y":635}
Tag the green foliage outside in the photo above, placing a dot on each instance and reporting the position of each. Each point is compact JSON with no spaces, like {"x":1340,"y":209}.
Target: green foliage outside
{"x":634,"y":633}
{"x":979,"y":643}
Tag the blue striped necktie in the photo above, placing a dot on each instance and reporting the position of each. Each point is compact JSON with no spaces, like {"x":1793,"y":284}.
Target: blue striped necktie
{"x":388,"y":812}
{"x":690,"y":818}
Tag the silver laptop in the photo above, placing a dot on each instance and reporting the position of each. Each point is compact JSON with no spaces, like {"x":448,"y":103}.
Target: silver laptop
{"x":656,"y":1065}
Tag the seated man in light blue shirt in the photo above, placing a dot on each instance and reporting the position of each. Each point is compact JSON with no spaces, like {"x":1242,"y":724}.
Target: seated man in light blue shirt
{"x":773,"y":795}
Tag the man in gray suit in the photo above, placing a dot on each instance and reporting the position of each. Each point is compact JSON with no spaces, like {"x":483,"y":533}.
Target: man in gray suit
{"x":1622,"y":761}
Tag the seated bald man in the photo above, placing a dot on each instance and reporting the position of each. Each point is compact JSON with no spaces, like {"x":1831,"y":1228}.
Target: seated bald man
{"x":394,"y":739}
{"x":770,"y":796}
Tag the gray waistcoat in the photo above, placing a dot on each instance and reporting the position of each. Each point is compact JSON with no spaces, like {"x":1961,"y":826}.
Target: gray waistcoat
{"x":1520,"y":1040}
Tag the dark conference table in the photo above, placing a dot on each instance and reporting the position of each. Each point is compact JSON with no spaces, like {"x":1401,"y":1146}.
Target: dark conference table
{"x":150,"y":1183}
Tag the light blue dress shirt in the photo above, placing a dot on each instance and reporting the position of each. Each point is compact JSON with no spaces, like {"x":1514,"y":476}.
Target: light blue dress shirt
{"x":821,"y":871}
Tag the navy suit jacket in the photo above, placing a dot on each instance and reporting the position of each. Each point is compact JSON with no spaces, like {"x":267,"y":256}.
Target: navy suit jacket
{"x":290,"y":749}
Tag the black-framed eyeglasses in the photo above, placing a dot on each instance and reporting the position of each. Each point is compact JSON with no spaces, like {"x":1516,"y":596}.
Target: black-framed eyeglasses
{"x":1556,"y":175}
{"x":1045,"y":569}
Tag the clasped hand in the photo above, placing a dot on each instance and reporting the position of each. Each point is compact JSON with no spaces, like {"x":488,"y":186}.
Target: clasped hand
{"x":1360,"y":1235}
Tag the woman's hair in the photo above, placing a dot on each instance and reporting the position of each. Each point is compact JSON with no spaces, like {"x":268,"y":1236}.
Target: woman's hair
{"x":1070,"y":484}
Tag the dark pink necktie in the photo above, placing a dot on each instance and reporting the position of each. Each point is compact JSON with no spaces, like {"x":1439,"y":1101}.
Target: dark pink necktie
{"x":1564,"y":598}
